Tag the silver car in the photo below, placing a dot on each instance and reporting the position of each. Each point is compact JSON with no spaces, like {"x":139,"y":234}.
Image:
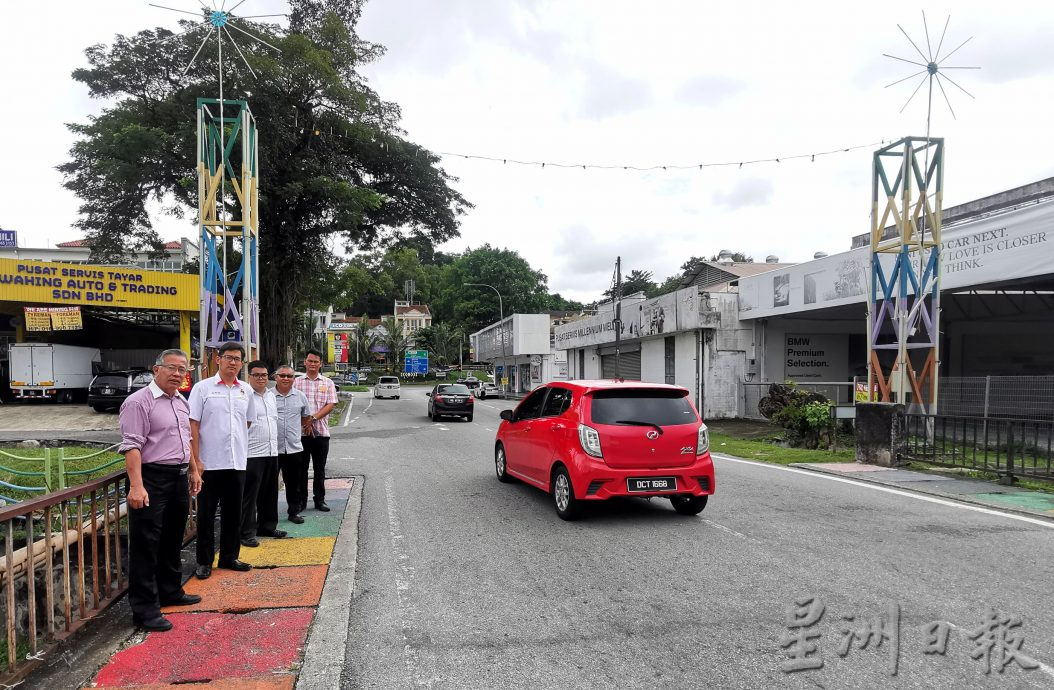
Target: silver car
{"x":487,"y":390}
{"x":387,"y":387}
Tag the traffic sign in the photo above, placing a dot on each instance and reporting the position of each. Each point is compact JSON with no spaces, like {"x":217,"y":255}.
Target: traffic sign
{"x":416,"y":362}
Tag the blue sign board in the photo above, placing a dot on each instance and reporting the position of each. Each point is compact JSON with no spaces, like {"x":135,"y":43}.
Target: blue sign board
{"x":8,"y":238}
{"x":416,"y":362}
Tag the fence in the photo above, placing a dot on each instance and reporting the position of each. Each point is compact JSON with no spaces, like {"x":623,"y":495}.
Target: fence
{"x":54,"y":464}
{"x":839,"y":392}
{"x":63,"y":562}
{"x":1020,"y":397}
{"x":1007,"y":447}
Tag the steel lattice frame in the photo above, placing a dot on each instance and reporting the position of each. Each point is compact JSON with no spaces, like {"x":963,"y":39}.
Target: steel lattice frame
{"x":228,"y":179}
{"x":903,"y":326}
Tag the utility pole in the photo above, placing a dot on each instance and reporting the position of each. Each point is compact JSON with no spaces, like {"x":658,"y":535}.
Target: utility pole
{"x":618,"y":317}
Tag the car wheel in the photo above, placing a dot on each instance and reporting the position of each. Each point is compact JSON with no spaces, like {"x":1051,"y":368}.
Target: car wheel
{"x":564,"y":495}
{"x":468,"y":418}
{"x":501,"y":467}
{"x":99,"y":408}
{"x":688,"y":505}
{"x":430,"y":414}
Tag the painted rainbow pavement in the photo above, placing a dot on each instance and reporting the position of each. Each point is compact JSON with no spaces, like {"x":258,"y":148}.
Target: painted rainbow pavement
{"x":249,"y":630}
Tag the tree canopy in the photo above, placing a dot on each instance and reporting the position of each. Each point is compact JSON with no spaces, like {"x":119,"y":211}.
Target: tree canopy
{"x":333,"y":161}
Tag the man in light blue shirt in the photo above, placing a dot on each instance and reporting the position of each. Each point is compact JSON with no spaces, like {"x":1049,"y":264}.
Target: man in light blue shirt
{"x":221,"y":409}
{"x":294,"y":412}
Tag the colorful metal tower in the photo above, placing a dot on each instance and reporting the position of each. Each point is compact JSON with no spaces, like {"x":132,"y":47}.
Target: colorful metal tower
{"x":228,"y":183}
{"x":903,"y":321}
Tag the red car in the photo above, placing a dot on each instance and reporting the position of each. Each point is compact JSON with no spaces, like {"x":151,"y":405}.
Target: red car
{"x":592,"y":440}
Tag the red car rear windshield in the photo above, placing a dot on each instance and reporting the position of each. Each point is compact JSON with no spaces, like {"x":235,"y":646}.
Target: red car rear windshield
{"x":650,"y":406}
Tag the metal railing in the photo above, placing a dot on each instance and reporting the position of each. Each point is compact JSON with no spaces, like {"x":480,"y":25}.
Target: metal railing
{"x":64,"y":560}
{"x":1018,"y":397}
{"x":54,"y":475}
{"x":751,"y":393}
{"x":1006,"y":447}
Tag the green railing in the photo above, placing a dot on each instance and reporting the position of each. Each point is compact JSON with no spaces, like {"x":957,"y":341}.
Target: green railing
{"x":54,"y":474}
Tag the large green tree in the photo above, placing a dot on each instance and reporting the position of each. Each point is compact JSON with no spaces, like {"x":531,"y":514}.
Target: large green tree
{"x":333,"y":161}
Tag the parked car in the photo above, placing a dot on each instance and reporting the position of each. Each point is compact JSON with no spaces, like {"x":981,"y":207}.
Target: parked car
{"x":450,"y":399}
{"x":110,"y":388}
{"x":593,"y":440}
{"x":487,"y":390}
{"x":387,"y":387}
{"x":470,"y":382}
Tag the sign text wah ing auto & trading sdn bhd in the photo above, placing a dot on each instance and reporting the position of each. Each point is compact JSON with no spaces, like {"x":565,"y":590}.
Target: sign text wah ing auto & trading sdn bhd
{"x":112,"y":286}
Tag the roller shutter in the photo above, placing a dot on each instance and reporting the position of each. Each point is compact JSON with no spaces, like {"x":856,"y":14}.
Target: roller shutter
{"x":630,"y":366}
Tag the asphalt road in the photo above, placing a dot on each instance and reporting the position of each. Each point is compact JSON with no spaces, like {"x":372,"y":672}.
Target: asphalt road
{"x":463,"y":582}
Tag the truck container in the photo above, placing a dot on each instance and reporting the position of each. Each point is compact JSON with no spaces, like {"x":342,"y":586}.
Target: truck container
{"x":45,"y":371}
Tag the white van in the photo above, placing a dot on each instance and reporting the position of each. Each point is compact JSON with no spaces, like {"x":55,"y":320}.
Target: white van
{"x":387,"y":387}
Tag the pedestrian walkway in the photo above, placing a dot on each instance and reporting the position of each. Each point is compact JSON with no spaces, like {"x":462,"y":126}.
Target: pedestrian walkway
{"x":250,"y":629}
{"x":1007,"y":498}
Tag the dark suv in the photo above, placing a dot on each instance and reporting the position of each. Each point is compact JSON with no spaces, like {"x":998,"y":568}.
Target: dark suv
{"x":110,"y":388}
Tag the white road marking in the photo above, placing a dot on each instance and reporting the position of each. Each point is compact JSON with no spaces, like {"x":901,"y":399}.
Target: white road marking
{"x":487,"y":428}
{"x":358,"y":416}
{"x":347,"y":412}
{"x":730,"y":530}
{"x":886,"y":489}
{"x":404,"y":575}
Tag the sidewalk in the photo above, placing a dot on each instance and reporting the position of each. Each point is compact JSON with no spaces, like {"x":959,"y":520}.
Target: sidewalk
{"x":251,"y":630}
{"x":1038,"y":504}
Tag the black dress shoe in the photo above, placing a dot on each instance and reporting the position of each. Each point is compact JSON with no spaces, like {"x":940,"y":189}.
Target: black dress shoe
{"x":296,"y":519}
{"x":252,"y":542}
{"x":202,"y":572}
{"x":277,"y":534}
{"x":158,"y":624}
{"x":321,"y":505}
{"x":240,"y":566}
{"x":182,"y":600}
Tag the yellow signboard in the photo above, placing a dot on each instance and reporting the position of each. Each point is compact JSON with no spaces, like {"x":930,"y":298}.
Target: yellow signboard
{"x":66,"y":319}
{"x":123,"y":287}
{"x":37,"y":318}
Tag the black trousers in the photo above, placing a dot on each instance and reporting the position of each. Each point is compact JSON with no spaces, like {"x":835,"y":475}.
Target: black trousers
{"x":316,"y":448}
{"x":294,"y":474}
{"x":222,"y":488}
{"x":155,"y":539}
{"x":260,"y":497}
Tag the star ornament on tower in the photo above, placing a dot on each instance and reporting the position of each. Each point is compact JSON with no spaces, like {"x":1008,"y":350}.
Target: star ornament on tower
{"x":218,"y":21}
{"x":933,"y":67}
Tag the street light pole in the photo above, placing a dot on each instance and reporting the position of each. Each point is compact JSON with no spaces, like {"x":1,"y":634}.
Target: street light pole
{"x":501,"y":329}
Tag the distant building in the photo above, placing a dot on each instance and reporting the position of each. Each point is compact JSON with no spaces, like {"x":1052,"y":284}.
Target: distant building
{"x":177,"y":255}
{"x":412,"y":317}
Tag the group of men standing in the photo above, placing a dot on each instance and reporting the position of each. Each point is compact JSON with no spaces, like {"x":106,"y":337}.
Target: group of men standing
{"x":226,"y":445}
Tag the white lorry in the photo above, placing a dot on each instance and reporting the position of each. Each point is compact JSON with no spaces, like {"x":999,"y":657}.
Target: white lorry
{"x":44,"y":371}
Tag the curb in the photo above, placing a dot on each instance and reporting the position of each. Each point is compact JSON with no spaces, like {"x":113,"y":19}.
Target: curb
{"x":959,"y":498}
{"x":327,"y":641}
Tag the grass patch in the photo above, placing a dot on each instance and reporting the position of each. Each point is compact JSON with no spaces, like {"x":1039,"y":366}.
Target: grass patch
{"x":766,"y":451}
{"x":336,"y":412}
{"x":33,"y":461}
{"x":355,"y":389}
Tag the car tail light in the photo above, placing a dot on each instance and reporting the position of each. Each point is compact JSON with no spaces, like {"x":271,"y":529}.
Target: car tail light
{"x":703,"y":443}
{"x":470,"y":400}
{"x":590,"y":440}
{"x":439,"y":398}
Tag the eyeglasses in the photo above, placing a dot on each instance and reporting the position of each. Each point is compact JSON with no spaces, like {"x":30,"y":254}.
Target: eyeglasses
{"x":175,"y":368}
{"x":284,"y":376}
{"x":231,"y":359}
{"x":312,"y":361}
{"x":259,"y":376}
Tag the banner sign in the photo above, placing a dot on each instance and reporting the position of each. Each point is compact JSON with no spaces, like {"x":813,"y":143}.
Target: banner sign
{"x":101,"y":286}
{"x":1008,"y":246}
{"x":8,"y":238}
{"x":821,"y":357}
{"x":53,"y":318}
{"x":37,"y":318}
{"x":662,"y":315}
{"x":416,"y":362}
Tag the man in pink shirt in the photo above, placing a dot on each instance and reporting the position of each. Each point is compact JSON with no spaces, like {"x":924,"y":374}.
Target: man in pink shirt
{"x":321,"y":395}
{"x":162,"y":476}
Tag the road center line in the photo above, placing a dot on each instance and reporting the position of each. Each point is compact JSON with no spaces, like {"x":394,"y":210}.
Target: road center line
{"x":888,"y":490}
{"x":404,"y":575}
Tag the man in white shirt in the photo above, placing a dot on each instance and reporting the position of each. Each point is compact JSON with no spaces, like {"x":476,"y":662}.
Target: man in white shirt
{"x":221,"y":409}
{"x":294,"y":413}
{"x":260,"y":497}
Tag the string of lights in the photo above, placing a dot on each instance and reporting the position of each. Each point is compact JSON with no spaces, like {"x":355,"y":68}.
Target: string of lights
{"x":812,"y":156}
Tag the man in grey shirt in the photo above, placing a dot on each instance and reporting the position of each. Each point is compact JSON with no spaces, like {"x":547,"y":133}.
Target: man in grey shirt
{"x":293,"y":412}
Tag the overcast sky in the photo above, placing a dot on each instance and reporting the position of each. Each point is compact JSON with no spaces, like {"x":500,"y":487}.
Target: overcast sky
{"x":620,"y":83}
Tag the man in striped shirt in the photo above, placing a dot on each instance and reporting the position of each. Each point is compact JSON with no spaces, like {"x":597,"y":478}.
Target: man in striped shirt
{"x":321,"y":395}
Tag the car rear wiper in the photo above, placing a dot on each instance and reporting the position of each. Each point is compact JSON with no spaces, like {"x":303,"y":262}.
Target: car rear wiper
{"x":635,"y":422}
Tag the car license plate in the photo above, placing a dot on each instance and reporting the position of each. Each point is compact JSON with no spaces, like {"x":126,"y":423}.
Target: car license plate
{"x":107,"y":391}
{"x":645,"y":484}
